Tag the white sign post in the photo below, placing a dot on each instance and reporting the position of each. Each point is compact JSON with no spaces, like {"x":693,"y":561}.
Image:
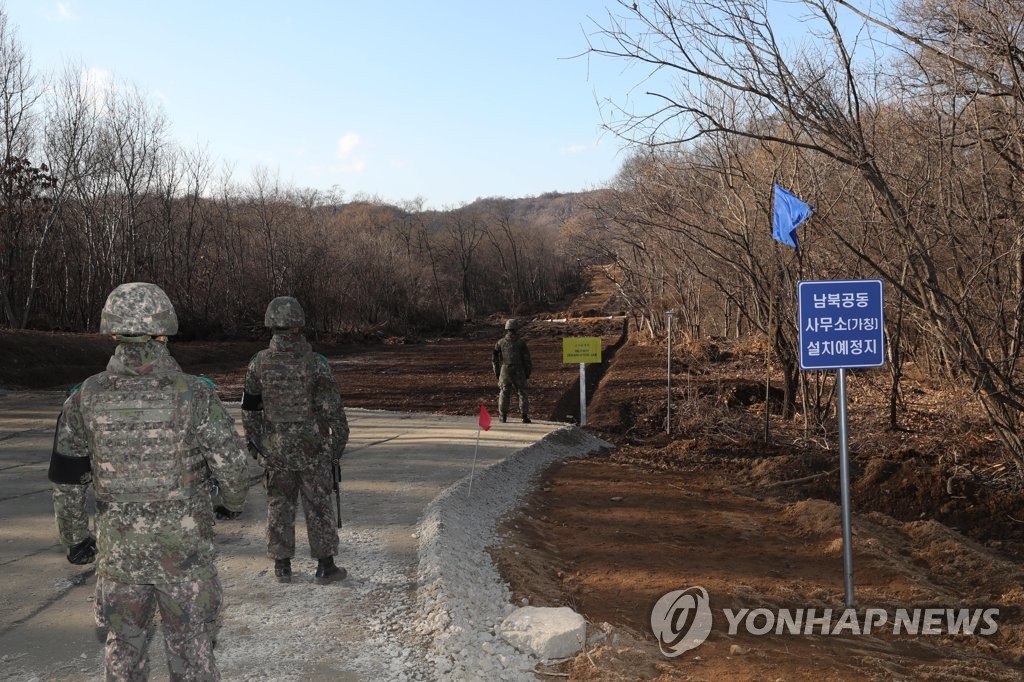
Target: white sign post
{"x":583,"y":394}
{"x":582,"y":349}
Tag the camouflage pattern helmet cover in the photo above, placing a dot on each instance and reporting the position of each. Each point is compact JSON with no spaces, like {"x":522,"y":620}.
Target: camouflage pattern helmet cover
{"x":512,"y":324}
{"x":138,"y":309}
{"x":284,"y":312}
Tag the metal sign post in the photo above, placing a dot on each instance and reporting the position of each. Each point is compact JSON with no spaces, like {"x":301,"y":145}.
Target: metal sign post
{"x":844,"y":492}
{"x":582,"y":349}
{"x":583,"y":394}
{"x":842,"y":326}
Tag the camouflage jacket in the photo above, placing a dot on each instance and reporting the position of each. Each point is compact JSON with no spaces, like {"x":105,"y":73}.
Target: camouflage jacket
{"x":293,"y":406}
{"x":147,"y":437}
{"x":511,"y":359}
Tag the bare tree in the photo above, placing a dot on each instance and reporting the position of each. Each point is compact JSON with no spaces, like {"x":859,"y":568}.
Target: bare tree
{"x":463,"y":232}
{"x":25,"y":187}
{"x":718,"y":69}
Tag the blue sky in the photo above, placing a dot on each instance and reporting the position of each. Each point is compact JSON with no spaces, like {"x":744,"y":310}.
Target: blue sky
{"x":450,"y":100}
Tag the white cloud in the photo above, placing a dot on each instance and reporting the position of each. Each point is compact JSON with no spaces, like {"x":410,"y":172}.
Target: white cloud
{"x":352,"y":163}
{"x":65,"y":13}
{"x":346,"y":144}
{"x":573,"y":149}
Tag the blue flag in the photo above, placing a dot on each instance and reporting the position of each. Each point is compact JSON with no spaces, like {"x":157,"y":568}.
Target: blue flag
{"x":787,"y":214}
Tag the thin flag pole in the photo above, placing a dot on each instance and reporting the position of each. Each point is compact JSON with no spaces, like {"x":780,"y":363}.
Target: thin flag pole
{"x":668,"y":411}
{"x":473,"y":469}
{"x":484,"y":425}
{"x":768,"y":372}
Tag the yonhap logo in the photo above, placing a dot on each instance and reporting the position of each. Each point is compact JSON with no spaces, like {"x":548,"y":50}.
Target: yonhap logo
{"x":681,"y":620}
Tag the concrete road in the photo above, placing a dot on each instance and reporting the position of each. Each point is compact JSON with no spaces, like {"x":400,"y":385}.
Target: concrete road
{"x":394,"y":466}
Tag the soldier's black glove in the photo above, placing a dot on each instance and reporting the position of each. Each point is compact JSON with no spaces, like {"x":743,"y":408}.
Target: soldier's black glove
{"x":83,"y":553}
{"x":225,"y":514}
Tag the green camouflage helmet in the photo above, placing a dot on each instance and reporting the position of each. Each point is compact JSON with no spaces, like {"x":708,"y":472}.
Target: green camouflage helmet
{"x":512,"y":324}
{"x":138,"y":309}
{"x":284,"y":312}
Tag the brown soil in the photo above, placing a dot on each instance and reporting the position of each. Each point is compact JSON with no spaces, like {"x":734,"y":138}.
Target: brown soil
{"x":609,"y":539}
{"x":938,"y":515}
{"x":938,"y":523}
{"x":438,"y":375}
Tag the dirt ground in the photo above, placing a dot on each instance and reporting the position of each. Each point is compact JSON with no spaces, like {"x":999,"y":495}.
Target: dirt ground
{"x":759,"y":527}
{"x":938,"y":513}
{"x":938,"y":522}
{"x":442,"y":375}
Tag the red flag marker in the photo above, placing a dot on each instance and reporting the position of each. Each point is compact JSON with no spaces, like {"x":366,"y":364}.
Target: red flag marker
{"x":485,"y":424}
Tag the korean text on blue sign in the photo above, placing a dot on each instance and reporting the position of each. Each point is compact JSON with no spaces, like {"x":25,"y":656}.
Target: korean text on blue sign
{"x":841,"y":324}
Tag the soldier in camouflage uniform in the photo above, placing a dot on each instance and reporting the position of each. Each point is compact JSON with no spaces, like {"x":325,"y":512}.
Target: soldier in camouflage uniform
{"x":511,"y":364}
{"x":292,"y":406}
{"x":147,"y":437}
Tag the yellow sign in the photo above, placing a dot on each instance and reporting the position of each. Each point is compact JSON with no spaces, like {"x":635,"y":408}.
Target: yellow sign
{"x":581,"y":349}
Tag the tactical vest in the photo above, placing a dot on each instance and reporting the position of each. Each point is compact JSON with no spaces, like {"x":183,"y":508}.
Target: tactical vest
{"x":139,"y":429}
{"x":287,"y":382}
{"x":510,"y":356}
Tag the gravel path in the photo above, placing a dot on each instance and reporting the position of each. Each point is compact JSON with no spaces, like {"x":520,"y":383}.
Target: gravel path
{"x":462,"y":598}
{"x":422,"y":599}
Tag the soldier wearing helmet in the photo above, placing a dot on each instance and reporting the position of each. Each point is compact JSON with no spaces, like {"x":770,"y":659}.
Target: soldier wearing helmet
{"x":147,"y":437}
{"x":511,"y":364}
{"x":292,"y":406}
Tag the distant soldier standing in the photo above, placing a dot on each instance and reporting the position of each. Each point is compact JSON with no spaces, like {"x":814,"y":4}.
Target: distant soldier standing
{"x":292,"y":406}
{"x":147,"y":437}
{"x":511,"y":364}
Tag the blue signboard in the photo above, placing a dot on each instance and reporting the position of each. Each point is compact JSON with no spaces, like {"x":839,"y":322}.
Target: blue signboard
{"x":841,"y":324}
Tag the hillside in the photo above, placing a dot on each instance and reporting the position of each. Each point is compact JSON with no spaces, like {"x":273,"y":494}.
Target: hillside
{"x":548,"y":211}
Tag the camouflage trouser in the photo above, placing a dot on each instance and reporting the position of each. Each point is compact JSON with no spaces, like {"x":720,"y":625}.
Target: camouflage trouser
{"x":284,"y":487}
{"x":188,"y":611}
{"x":505,"y":394}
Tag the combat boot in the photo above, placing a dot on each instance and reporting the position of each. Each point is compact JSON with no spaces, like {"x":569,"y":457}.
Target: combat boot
{"x":283,"y":570}
{"x":327,"y":572}
{"x":504,"y":418}
{"x":526,"y":420}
